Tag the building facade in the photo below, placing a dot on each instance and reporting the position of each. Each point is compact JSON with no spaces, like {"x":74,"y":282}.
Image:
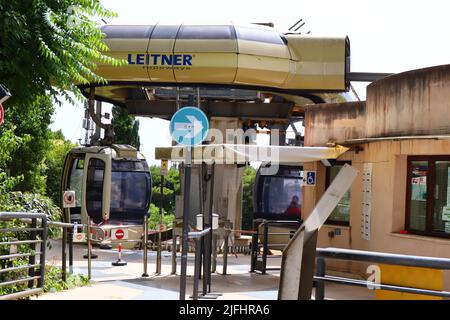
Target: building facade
{"x":399,"y":140}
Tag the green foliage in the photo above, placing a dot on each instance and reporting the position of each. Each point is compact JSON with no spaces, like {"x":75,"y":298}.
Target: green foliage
{"x":154,"y":218}
{"x":247,"y":197}
{"x":50,"y":46}
{"x":171,"y":187}
{"x":126,"y":128}
{"x":54,"y":283}
{"x":31,"y":122}
{"x":46,"y":48}
{"x":8,"y":144}
{"x":54,"y":161}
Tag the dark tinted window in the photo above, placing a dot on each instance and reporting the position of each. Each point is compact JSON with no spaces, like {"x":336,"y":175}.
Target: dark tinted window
{"x":130,"y":192}
{"x":164,"y":32}
{"x":259,"y":35}
{"x":121,"y":165}
{"x":206,"y":32}
{"x":94,"y":189}
{"x":281,"y":195}
{"x":132,"y":32}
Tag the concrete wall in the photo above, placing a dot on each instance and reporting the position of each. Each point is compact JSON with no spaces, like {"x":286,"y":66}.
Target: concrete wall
{"x":334,"y":122}
{"x":411,"y":103}
{"x":406,"y":104}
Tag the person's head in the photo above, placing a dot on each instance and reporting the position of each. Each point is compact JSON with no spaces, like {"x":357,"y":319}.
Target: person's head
{"x":295,"y":199}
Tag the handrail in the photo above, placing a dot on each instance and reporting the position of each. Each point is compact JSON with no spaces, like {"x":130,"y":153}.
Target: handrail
{"x":36,"y":269}
{"x":386,"y":258}
{"x":375,"y":257}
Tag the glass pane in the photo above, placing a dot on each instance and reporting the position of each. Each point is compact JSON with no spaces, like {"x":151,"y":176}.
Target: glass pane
{"x":441,"y":213}
{"x":260,"y":35}
{"x":418,"y":201}
{"x":164,"y":32}
{"x":129,"y":191}
{"x":342,"y":211}
{"x":76,"y":180}
{"x":282,"y":196}
{"x":206,"y":32}
{"x":94,"y":188}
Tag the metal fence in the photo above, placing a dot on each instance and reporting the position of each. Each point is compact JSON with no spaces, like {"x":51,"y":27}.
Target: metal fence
{"x":21,"y":261}
{"x":375,"y":257}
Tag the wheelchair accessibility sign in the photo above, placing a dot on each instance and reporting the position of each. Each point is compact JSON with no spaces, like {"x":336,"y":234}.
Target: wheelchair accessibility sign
{"x":310,"y":178}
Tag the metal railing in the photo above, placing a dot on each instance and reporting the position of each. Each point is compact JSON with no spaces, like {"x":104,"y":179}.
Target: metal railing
{"x":37,"y":235}
{"x":197,"y":237}
{"x":261,"y":264}
{"x":374,"y":257}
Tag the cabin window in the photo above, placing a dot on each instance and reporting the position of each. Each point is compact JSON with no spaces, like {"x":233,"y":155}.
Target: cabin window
{"x":206,"y":32}
{"x":76,"y":180}
{"x":428,"y":196}
{"x":259,"y":35}
{"x":164,"y":32}
{"x":341,"y":214}
{"x":94,"y":188}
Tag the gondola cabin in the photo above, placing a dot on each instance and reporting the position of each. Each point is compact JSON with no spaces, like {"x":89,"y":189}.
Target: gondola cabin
{"x":112,"y":186}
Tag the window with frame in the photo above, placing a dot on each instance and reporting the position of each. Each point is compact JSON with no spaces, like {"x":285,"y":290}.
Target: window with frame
{"x":428,"y":196}
{"x":341,"y":214}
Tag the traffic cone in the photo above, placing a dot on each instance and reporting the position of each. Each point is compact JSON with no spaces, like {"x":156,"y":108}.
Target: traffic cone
{"x":119,"y":261}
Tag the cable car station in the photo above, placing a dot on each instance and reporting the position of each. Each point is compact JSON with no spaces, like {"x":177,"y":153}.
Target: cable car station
{"x":363,"y":182}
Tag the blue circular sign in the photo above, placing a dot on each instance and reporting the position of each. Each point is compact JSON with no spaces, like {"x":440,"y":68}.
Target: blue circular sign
{"x":189,"y":126}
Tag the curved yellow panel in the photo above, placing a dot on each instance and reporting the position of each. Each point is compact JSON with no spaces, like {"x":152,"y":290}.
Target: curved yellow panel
{"x":225,"y":54}
{"x":317,"y":63}
{"x":125,"y":42}
{"x":160,"y":53}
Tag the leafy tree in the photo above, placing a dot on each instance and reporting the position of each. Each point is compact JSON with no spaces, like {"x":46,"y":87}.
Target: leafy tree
{"x":46,"y":48}
{"x":8,"y":144}
{"x":170,"y":190}
{"x":126,"y":128}
{"x":54,"y":161}
{"x":32,"y":121}
{"x":247,"y":197}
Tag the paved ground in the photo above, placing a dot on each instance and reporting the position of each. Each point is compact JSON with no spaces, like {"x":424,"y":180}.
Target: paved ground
{"x":126,"y":283}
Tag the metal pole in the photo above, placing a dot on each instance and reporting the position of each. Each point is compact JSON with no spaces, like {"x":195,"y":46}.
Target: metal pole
{"x":89,"y":247}
{"x":174,"y":253}
{"x":145,"y":274}
{"x":265,"y":247}
{"x":64,"y":256}
{"x":32,"y":258}
{"x":320,"y":285}
{"x":209,"y":238}
{"x":158,"y":254}
{"x":43,"y":251}
{"x":196,"y":268}
{"x":186,"y":204}
{"x":225,"y":254}
{"x":71,"y":249}
{"x":214,"y":256}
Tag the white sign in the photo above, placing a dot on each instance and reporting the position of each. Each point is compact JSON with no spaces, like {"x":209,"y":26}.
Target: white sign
{"x":367,"y":201}
{"x":69,"y":199}
{"x":119,"y":234}
{"x":446,"y":214}
{"x":79,"y":237}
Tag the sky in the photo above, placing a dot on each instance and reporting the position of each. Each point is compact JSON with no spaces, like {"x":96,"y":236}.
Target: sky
{"x":385,"y":36}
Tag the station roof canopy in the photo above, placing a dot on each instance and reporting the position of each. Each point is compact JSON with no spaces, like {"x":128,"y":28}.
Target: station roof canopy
{"x":243,"y":153}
